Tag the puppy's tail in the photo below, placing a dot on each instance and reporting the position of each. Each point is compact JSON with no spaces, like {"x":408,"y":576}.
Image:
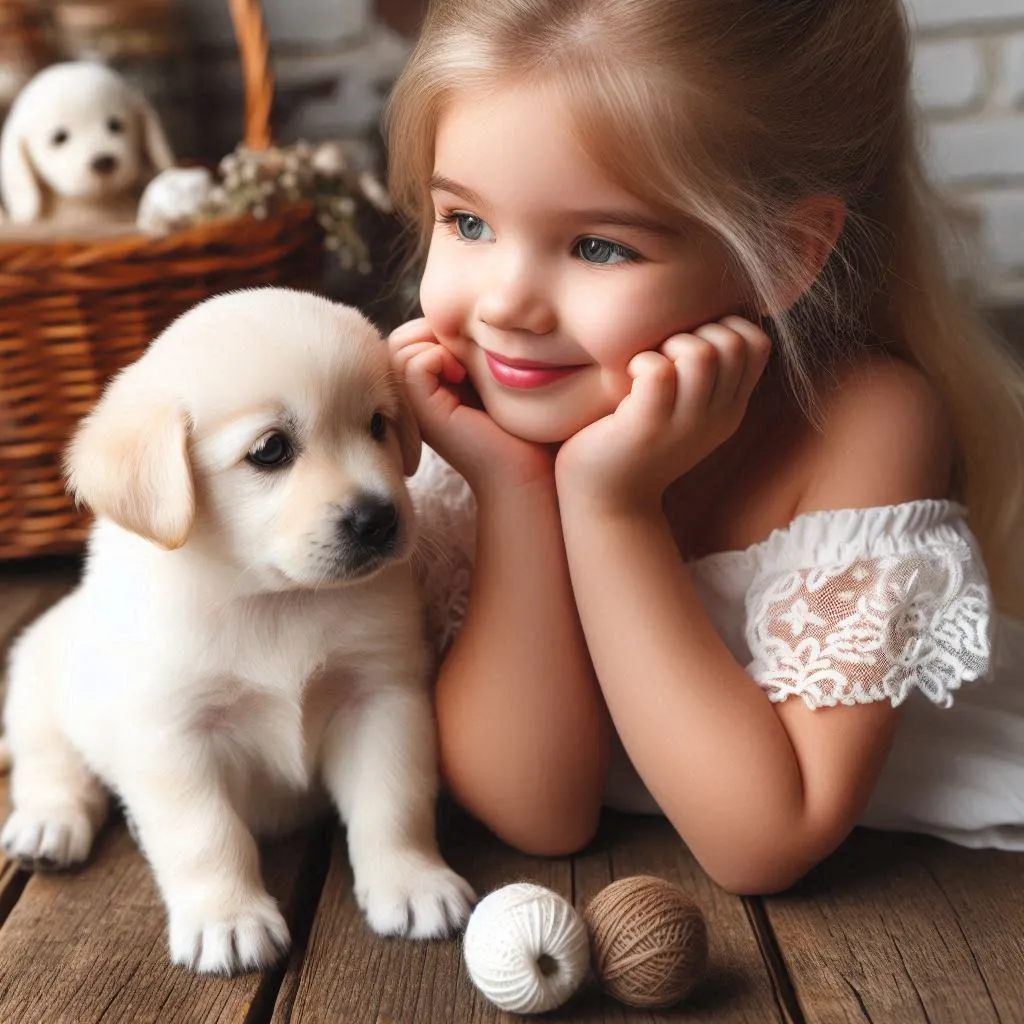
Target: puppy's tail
{"x":5,"y":756}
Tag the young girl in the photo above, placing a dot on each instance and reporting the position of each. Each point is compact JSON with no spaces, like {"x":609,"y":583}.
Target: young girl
{"x":688,"y":339}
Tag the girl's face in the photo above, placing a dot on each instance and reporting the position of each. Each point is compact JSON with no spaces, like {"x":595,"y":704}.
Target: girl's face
{"x":544,"y":278}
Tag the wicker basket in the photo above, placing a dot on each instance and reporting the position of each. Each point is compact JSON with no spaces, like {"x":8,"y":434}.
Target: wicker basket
{"x":74,"y":313}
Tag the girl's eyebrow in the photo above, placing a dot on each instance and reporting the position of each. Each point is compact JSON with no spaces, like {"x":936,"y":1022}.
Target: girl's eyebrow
{"x":628,"y":219}
{"x":439,"y":183}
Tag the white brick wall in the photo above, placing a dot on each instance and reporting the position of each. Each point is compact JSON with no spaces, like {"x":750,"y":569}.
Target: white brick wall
{"x":969,"y":80}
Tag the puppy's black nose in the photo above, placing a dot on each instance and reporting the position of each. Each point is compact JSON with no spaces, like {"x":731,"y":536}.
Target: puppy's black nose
{"x":104,"y":164}
{"x":371,"y":523}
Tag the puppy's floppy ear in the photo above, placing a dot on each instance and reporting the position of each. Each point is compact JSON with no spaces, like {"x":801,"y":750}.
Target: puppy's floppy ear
{"x":408,"y":435}
{"x":22,"y":196}
{"x":155,"y":146}
{"x":128,"y":461}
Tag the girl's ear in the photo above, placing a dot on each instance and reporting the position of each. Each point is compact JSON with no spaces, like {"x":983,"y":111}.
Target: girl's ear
{"x":815,"y":225}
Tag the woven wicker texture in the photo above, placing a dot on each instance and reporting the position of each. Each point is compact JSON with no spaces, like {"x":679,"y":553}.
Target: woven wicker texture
{"x":74,"y":313}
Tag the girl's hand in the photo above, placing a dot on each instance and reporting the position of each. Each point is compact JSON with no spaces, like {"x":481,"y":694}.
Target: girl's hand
{"x":458,"y":430}
{"x":686,"y":399}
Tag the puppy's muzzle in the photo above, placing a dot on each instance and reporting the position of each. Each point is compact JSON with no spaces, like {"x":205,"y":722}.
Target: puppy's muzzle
{"x":371,"y":524}
{"x":368,"y":532}
{"x":104,"y":164}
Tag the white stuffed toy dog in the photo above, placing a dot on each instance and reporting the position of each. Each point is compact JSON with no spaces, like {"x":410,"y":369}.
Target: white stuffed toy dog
{"x":78,"y":147}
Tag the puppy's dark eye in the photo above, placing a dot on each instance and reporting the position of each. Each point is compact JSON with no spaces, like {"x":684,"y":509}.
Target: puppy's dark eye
{"x":271,"y":451}
{"x":115,"y":125}
{"x":59,"y":137}
{"x":378,"y":426}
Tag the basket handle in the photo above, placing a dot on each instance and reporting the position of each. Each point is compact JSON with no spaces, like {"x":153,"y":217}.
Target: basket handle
{"x":257,"y":80}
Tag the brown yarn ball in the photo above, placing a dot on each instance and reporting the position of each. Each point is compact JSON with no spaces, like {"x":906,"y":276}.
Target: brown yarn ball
{"x":648,"y":941}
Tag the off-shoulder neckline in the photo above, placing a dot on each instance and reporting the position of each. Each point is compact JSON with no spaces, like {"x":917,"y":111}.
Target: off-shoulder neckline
{"x":841,"y":528}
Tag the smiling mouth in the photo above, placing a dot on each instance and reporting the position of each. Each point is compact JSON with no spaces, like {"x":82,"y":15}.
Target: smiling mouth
{"x":526,"y":374}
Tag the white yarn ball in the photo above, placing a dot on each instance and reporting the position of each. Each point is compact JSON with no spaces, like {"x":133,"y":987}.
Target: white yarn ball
{"x":526,"y":948}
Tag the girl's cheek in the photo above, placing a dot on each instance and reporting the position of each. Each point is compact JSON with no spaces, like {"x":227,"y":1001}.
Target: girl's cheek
{"x":442,"y":301}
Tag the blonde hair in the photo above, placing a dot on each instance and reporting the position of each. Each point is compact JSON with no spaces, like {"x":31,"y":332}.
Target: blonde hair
{"x":732,"y":112}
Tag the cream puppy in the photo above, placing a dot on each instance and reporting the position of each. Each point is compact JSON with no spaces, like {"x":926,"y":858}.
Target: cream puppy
{"x":78,"y":146}
{"x":246,"y":641}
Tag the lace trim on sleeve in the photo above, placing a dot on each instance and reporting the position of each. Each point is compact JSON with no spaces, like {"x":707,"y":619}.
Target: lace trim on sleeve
{"x":443,"y":556}
{"x":872,"y":629}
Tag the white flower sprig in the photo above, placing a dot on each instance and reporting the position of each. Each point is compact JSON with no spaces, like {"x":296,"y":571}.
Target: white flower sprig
{"x":258,"y":182}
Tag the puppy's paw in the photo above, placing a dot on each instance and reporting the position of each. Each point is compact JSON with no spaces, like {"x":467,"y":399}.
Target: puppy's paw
{"x":413,"y":895}
{"x":252,"y":938}
{"x":48,"y":840}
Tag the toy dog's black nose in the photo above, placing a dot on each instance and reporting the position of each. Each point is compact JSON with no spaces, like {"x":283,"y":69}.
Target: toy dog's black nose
{"x":104,"y":164}
{"x":371,"y":523}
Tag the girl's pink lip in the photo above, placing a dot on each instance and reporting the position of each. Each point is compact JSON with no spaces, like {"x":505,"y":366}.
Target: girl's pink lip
{"x":525,"y":373}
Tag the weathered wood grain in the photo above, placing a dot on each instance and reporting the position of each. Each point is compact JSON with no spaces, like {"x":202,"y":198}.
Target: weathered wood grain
{"x":897,"y":929}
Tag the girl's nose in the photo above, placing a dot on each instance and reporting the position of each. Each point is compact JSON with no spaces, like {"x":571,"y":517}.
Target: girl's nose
{"x":516,"y":298}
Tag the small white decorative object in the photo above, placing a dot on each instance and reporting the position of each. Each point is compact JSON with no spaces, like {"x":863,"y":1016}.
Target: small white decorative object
{"x":255,"y":182}
{"x":526,"y":948}
{"x":173,"y":198}
{"x":78,"y":146}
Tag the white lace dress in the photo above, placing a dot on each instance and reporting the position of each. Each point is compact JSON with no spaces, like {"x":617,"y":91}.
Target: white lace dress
{"x":840,"y":607}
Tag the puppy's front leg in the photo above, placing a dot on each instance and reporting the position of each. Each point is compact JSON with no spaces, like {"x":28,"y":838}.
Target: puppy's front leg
{"x":379,"y":764}
{"x":221,"y":918}
{"x":58,"y":805}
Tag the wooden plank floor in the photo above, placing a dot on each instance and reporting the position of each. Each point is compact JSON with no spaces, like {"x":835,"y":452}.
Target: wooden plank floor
{"x":892,"y":929}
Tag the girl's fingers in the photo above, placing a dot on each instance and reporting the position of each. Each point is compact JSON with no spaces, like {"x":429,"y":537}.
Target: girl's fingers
{"x":653,"y":393}
{"x":452,"y":370}
{"x":731,"y":349}
{"x":407,"y":340}
{"x":433,"y":403}
{"x":402,"y":360}
{"x":423,"y":368}
{"x":412,"y":330}
{"x":413,"y":338}
{"x":696,"y":365}
{"x":759,"y":348}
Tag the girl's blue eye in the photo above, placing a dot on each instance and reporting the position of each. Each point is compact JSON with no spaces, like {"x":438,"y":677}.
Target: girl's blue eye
{"x":597,"y":250}
{"x":472,"y":228}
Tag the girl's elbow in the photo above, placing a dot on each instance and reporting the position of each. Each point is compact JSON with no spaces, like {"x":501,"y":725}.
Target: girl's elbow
{"x":533,"y":826}
{"x":563,"y":840}
{"x":767,"y":869}
{"x":758,"y":880}
{"x":543,"y":830}
{"x":760,"y":872}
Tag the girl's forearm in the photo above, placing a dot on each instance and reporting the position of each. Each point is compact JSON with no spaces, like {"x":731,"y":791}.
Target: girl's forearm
{"x":522,"y":725}
{"x":702,"y":735}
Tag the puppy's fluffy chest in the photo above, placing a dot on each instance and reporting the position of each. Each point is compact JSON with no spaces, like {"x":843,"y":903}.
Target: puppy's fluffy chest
{"x":252,"y":683}
{"x":274,"y":646}
{"x":270,"y":736}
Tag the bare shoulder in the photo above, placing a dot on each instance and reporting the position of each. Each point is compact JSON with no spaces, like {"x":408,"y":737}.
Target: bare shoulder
{"x":885,"y":439}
